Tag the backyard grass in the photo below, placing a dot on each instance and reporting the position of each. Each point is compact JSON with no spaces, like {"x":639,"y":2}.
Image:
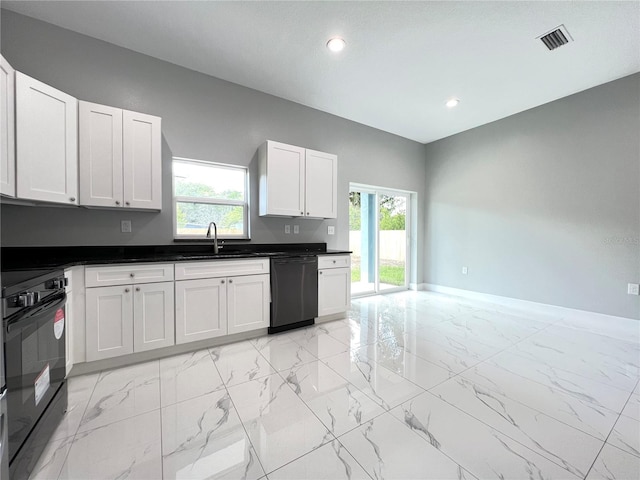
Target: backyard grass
{"x":392,"y":275}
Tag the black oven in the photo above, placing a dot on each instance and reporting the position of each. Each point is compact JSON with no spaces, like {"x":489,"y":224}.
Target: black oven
{"x":34,"y":330}
{"x":4,"y":441}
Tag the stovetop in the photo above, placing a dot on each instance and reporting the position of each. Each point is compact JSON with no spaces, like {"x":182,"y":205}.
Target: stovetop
{"x":15,"y":281}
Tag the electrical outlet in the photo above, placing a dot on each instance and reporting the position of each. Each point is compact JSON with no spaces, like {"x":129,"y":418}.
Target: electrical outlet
{"x":296,"y":229}
{"x":465,"y":270}
{"x":287,"y":229}
{"x":633,"y":289}
{"x":331,"y":230}
{"x":125,"y":226}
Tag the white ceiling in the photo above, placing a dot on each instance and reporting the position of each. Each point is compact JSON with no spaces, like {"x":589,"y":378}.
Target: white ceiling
{"x":403,"y":59}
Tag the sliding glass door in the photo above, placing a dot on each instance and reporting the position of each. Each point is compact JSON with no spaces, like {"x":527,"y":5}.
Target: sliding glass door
{"x":378,"y":238}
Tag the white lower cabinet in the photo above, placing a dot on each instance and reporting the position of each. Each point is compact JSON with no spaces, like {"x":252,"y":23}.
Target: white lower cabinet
{"x":74,"y":316}
{"x":201,"y":309}
{"x":153,"y":316}
{"x":248,"y":301}
{"x":206,"y":300}
{"x":334,"y":284}
{"x":212,"y":307}
{"x":128,"y":318}
{"x":109,"y":320}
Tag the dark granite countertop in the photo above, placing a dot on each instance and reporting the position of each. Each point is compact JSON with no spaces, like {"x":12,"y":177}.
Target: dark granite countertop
{"x":13,"y":258}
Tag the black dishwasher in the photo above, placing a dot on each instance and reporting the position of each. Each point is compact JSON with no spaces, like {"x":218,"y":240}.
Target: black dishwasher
{"x":294,"y":292}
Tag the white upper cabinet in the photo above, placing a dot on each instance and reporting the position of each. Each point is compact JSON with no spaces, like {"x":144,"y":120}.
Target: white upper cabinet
{"x":46,"y":142}
{"x":120,"y":158}
{"x":321,"y":181}
{"x":297,"y":182}
{"x":142,"y":160}
{"x":8,"y":129}
{"x":282,"y":178}
{"x":100,"y":146}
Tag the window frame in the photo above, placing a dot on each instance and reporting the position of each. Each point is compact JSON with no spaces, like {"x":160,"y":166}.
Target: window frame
{"x":211,"y":201}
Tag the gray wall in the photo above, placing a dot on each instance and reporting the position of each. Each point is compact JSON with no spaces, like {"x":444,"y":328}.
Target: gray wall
{"x":543,"y":205}
{"x":203,"y":118}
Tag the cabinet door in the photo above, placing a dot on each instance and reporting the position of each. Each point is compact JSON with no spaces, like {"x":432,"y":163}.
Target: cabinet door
{"x":100,"y":151}
{"x":321,"y":184}
{"x":153,"y":316}
{"x":334,"y":290}
{"x":282,"y":180}
{"x":201,"y":309}
{"x":248,"y":303}
{"x":46,"y":142}
{"x":7,"y":129}
{"x":109,"y":322}
{"x":142,"y":160}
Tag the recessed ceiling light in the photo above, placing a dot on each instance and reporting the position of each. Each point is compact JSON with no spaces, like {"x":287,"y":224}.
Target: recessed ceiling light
{"x":452,"y":102}
{"x":336,"y":44}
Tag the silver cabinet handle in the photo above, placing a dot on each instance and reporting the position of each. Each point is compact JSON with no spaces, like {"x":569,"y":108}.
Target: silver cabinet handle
{"x":132,"y":275}
{"x":230,"y":281}
{"x":117,"y":202}
{"x":72,"y":199}
{"x":301,"y":213}
{"x":320,"y":272}
{"x":126,"y":290}
{"x":307,"y":213}
{"x":127,"y":203}
{"x":137,"y":289}
{"x":221,"y":281}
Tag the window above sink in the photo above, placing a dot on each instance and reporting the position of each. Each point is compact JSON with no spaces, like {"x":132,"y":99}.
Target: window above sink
{"x":205,"y":192}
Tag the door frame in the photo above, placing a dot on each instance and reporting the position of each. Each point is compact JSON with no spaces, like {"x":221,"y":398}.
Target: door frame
{"x":377,"y":191}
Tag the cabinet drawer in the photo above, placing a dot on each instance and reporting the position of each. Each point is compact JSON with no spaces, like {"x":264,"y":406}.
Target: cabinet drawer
{"x":128,"y":274}
{"x":334,"y":261}
{"x":221,"y":268}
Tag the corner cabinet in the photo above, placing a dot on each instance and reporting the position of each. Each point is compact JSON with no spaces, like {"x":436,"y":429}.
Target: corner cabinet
{"x":221,"y":297}
{"x":297,"y":182}
{"x":129,"y":308}
{"x":334,"y":284}
{"x":46,"y":142}
{"x":120,"y":158}
{"x":8,"y":129}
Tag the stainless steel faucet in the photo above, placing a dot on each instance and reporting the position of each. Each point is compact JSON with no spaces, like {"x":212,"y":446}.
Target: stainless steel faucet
{"x":215,"y":236}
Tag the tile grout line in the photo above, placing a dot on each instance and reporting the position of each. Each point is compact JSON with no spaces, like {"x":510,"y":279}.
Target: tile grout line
{"x":559,"y":392}
{"x":479,"y":420}
{"x":613,"y":427}
{"x":467,"y":413}
{"x":75,"y":433}
{"x":487,"y":359}
{"x":161,"y":422}
{"x":255,"y":452}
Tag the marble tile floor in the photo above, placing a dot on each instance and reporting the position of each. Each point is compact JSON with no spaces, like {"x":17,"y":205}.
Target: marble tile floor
{"x":410,"y":385}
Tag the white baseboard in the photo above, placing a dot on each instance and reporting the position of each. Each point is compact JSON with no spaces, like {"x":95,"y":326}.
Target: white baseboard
{"x":563,"y":312}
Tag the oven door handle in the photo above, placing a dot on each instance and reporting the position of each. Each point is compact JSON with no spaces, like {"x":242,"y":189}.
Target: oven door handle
{"x":51,"y":303}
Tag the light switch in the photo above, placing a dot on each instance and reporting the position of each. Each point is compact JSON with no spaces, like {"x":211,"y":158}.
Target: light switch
{"x":296,"y":229}
{"x":331,"y":230}
{"x":125,"y":226}
{"x":287,"y":229}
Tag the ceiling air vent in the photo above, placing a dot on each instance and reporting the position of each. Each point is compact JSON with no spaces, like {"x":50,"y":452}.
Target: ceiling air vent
{"x":556,"y":38}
